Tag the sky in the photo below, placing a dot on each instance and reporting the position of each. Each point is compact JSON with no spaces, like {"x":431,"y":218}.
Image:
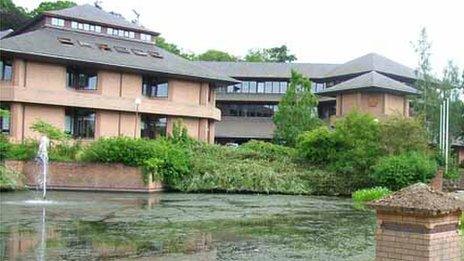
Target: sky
{"x":325,"y":31}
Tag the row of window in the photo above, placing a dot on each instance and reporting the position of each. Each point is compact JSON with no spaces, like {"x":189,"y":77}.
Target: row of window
{"x":85,"y":27}
{"x":80,"y":123}
{"x":248,"y":110}
{"x":98,"y":29}
{"x":86,"y":79}
{"x":276,"y":87}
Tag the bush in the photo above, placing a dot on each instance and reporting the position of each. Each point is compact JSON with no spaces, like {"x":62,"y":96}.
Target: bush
{"x":400,"y":134}
{"x":9,"y":180}
{"x":370,"y":194}
{"x":65,"y":151}
{"x":161,"y":158}
{"x":5,"y":146}
{"x":396,"y":172}
{"x":244,"y":169}
{"x":26,"y":150}
{"x":47,"y":129}
{"x":318,"y":146}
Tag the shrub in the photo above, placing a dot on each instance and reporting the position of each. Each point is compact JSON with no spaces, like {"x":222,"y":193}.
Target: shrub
{"x":318,"y":146}
{"x":65,"y":151}
{"x":370,"y":194}
{"x":266,"y":150}
{"x":161,"y":157}
{"x":462,"y":223}
{"x":399,"y":134}
{"x":47,"y":129}
{"x":26,"y":150}
{"x":396,"y":172}
{"x":9,"y":180}
{"x":5,"y":146}
{"x":358,"y":136}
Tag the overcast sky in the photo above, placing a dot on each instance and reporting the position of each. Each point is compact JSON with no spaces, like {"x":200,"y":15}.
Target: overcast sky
{"x":325,"y":31}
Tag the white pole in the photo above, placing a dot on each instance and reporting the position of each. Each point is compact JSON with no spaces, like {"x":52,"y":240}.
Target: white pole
{"x":440,"y":134}
{"x":447,"y":135}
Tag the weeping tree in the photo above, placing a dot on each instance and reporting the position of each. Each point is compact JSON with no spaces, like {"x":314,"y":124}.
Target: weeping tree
{"x":297,"y":111}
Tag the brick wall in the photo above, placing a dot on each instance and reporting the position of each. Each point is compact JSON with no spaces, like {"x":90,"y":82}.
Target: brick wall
{"x":87,"y":176}
{"x":411,"y":237}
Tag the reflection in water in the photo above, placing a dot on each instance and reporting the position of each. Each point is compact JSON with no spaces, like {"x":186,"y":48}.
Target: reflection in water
{"x":184,"y":227}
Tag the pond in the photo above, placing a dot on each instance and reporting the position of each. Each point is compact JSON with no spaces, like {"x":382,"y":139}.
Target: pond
{"x":175,"y":226}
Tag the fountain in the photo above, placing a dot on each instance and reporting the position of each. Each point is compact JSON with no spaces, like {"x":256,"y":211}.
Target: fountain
{"x":42,"y":159}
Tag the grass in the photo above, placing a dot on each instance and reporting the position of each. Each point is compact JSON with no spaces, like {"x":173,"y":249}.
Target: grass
{"x":365,"y":195}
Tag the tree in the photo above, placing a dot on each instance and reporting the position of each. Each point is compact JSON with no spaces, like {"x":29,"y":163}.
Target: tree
{"x":173,"y":48}
{"x":12,"y":16}
{"x":51,"y":6}
{"x":297,"y":111}
{"x":276,"y":54}
{"x":216,"y":55}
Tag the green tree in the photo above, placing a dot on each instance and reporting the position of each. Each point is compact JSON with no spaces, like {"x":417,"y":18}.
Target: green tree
{"x":216,"y":55}
{"x":51,"y":6}
{"x":12,"y":16}
{"x":279,"y":54}
{"x":173,"y":48}
{"x":297,"y":111}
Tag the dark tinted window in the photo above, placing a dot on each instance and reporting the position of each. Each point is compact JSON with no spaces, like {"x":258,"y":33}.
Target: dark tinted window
{"x":6,"y":69}
{"x":81,"y":78}
{"x":80,"y":123}
{"x":153,"y":126}
{"x":248,"y":110}
{"x":155,"y":87}
{"x":5,"y":120}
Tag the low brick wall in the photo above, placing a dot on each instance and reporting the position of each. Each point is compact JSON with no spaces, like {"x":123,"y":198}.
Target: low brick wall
{"x":87,"y":176}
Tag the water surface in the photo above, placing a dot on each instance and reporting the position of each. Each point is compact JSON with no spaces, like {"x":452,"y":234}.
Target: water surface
{"x":175,"y":226}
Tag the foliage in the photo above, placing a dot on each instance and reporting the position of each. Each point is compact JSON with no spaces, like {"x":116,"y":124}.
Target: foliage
{"x":370,"y":194}
{"x":243,"y":169}
{"x":399,"y":134}
{"x":318,"y":146}
{"x":65,"y":151}
{"x":47,"y":129}
{"x":398,"y":171}
{"x":297,"y":111}
{"x":51,"y":6}
{"x":462,"y":224}
{"x":26,"y":150}
{"x":161,"y":158}
{"x":276,"y":54}
{"x":180,"y":133}
{"x":216,"y":55}
{"x":5,"y":146}
{"x":173,"y":48}
{"x":12,"y":16}
{"x":4,"y":113}
{"x":267,"y":151}
{"x":9,"y":180}
{"x":358,"y":143}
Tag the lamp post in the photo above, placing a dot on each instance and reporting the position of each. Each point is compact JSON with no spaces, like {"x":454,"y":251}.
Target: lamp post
{"x":137,"y":103}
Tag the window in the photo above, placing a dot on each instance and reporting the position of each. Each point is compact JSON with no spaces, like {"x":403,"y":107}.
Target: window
{"x":139,"y":52}
{"x":145,"y":37}
{"x":245,"y":87}
{"x":252,"y":87}
{"x":86,"y":27}
{"x":80,"y":26}
{"x":5,"y":120}
{"x":80,"y":123}
{"x":80,"y":78}
{"x":121,"y":33}
{"x":121,"y":49}
{"x":155,"y":54}
{"x":84,"y":44}
{"x":260,"y":87}
{"x":65,"y":41}
{"x":283,"y":87}
{"x":248,"y":110}
{"x":275,"y":87}
{"x":57,"y":21}
{"x":109,"y":30}
{"x":131,"y":35}
{"x":268,"y":87}
{"x":104,"y":47}
{"x":98,"y":29}
{"x":74,"y":25}
{"x":6,"y":69}
{"x":155,"y":87}
{"x":92,"y":28}
{"x":152,"y":126}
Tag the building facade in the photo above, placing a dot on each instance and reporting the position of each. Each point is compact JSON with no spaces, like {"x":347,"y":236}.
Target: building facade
{"x":94,"y":74}
{"x":371,"y":83}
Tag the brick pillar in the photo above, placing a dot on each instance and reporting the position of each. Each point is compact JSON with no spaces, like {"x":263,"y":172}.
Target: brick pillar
{"x":418,"y":223}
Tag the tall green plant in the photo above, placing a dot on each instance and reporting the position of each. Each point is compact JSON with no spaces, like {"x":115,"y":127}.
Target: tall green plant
{"x":399,"y":134}
{"x":297,"y":111}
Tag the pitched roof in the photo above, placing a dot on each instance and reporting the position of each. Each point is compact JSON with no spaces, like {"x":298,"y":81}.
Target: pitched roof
{"x":268,"y":70}
{"x":245,"y":127}
{"x":94,"y":14}
{"x":370,"y":80}
{"x":419,"y":199}
{"x":43,"y":43}
{"x":372,"y":62}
